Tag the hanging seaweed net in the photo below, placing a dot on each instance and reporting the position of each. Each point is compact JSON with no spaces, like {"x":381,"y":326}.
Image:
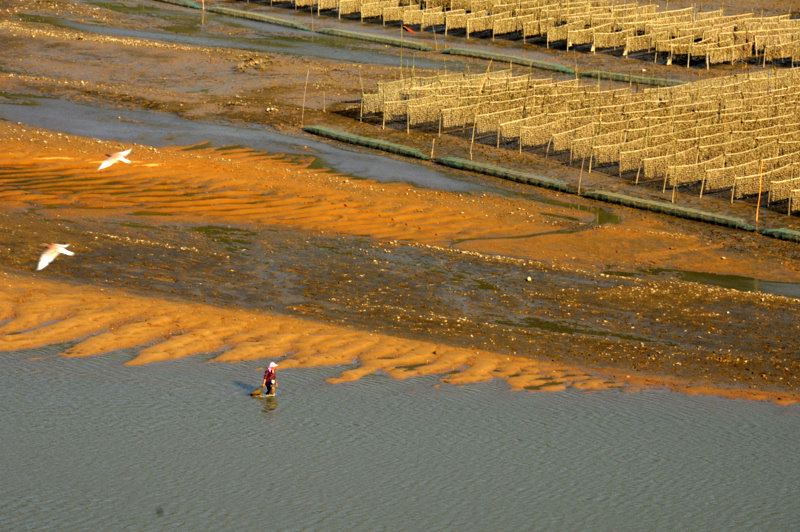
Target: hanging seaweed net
{"x":739,"y":133}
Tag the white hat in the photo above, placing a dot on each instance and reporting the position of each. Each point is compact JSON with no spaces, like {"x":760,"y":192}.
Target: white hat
{"x":273,"y":365}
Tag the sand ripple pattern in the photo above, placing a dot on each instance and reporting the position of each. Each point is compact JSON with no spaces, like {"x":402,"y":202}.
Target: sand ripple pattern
{"x":103,"y":321}
{"x":237,"y":185}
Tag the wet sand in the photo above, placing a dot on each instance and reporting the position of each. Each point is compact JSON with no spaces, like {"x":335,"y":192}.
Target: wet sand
{"x":573,"y":325}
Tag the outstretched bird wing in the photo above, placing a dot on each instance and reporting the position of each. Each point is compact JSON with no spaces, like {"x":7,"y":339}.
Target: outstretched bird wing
{"x":52,"y":251}
{"x":115,"y":157}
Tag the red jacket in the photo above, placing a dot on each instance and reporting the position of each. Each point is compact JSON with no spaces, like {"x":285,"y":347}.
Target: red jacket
{"x":269,"y":375}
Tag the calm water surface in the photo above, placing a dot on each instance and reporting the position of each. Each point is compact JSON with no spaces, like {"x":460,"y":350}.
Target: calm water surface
{"x":92,"y":444}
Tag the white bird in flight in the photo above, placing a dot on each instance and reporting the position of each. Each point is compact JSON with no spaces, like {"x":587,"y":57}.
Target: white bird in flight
{"x":114,"y":157}
{"x":52,"y":251}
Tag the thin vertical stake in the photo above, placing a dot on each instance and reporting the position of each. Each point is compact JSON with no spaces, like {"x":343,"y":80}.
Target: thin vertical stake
{"x":303,"y":112}
{"x":760,"y":181}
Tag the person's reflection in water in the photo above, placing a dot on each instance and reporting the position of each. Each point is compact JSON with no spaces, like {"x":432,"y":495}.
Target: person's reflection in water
{"x":270,"y":404}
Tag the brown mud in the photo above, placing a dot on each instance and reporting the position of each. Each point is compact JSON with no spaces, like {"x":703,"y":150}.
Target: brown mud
{"x":242,"y":254}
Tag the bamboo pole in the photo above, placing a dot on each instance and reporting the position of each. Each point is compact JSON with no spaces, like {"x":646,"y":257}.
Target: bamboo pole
{"x":305,"y":88}
{"x":474,"y":125}
{"x":401,"y":50}
{"x":361,"y":83}
{"x":760,"y":182}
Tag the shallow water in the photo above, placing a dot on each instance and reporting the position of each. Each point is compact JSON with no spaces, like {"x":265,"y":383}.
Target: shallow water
{"x":738,"y":282}
{"x":732,"y":282}
{"x":92,"y":444}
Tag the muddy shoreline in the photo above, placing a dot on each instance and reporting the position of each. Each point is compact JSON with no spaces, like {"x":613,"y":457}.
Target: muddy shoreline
{"x":415,"y":265}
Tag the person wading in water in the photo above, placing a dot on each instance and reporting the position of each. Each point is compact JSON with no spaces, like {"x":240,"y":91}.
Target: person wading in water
{"x":270,"y":383}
